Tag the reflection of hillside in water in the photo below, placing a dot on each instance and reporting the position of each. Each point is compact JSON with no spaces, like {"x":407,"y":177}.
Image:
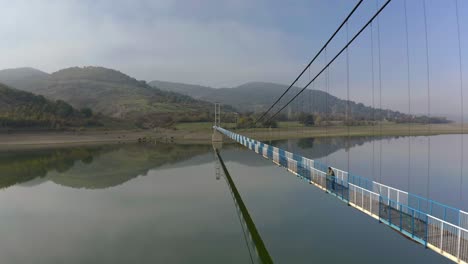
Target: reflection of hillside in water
{"x":316,"y":148}
{"x":26,"y":165}
{"x":105,"y":166}
{"x":90,"y":167}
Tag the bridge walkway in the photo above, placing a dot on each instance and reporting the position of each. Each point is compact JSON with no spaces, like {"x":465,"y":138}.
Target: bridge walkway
{"x":439,"y":227}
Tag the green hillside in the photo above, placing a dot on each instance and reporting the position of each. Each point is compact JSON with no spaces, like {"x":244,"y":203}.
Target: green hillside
{"x":19,"y":109}
{"x":115,"y":94}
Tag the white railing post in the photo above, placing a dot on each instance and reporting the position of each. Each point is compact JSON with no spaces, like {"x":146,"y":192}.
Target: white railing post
{"x":355,"y":195}
{"x":464,"y":219}
{"x":459,"y":244}
{"x":362,"y":199}
{"x":398,"y":197}
{"x":388,"y":196}
{"x":441,"y":235}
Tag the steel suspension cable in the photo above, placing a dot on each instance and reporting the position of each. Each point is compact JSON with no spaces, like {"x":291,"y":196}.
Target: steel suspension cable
{"x":347,"y":98}
{"x":462,"y":117}
{"x":334,"y":58}
{"x":380,"y":98}
{"x":303,"y":111}
{"x":314,"y":98}
{"x":310,"y":95}
{"x":327,"y":88}
{"x":312,"y":61}
{"x":298,"y":113}
{"x":409,"y":91}
{"x":428,"y":102}
{"x":373,"y":101}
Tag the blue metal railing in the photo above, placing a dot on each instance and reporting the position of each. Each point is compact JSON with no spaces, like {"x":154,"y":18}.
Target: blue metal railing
{"x":428,"y":222}
{"x":429,"y":206}
{"x":421,"y":204}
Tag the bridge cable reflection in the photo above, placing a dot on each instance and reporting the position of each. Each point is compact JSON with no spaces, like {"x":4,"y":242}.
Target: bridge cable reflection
{"x":257,"y":250}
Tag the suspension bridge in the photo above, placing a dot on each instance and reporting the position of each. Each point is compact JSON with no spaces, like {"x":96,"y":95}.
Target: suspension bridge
{"x":436,"y":226}
{"x":439,"y":227}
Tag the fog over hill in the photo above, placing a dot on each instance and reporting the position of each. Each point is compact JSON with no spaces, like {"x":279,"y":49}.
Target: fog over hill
{"x":27,"y":79}
{"x":258,"y":96}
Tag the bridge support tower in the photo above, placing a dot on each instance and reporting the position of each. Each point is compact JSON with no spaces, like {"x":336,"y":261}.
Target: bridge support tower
{"x":217,"y":137}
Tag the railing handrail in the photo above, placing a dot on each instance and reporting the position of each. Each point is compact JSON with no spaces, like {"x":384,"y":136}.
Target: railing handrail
{"x":381,"y":184}
{"x":339,"y":170}
{"x":404,"y":205}
{"x":316,"y":170}
{"x":389,"y":187}
{"x":364,"y":189}
{"x":447,"y":223}
{"x":435,"y":202}
{"x":392,"y":188}
{"x":454,"y":232}
{"x":287,"y":153}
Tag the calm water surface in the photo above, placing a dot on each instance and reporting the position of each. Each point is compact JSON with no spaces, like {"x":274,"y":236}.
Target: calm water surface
{"x":164,"y":204}
{"x":400,"y":162}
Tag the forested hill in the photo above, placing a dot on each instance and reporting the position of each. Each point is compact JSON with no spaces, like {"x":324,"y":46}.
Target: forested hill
{"x":19,"y":109}
{"x":115,"y":94}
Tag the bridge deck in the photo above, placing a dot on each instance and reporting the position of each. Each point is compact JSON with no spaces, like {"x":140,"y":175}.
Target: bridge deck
{"x":446,"y":236}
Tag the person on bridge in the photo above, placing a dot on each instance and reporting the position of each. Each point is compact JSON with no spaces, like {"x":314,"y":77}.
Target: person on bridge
{"x":331,"y":177}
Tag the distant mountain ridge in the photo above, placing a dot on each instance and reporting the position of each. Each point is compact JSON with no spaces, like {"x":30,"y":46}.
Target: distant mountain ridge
{"x":193,"y":90}
{"x":21,"y":73}
{"x":26,"y":78}
{"x":98,"y":74}
{"x":160,"y":103}
{"x":109,"y":92}
{"x":258,"y":96}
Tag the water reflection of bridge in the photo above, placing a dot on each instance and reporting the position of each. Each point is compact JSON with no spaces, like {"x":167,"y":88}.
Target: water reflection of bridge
{"x":257,"y":250}
{"x":439,"y":227}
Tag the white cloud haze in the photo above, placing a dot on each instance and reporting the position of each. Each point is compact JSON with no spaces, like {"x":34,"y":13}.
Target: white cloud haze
{"x":227,"y":43}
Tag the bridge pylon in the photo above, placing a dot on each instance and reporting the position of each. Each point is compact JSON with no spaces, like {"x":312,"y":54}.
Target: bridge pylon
{"x":217,"y":136}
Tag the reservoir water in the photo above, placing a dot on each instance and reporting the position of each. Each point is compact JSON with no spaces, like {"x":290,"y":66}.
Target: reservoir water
{"x":165,"y":203}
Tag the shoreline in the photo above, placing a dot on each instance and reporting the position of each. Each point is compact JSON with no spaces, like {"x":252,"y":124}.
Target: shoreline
{"x":38,"y":140}
{"x":356,"y":131}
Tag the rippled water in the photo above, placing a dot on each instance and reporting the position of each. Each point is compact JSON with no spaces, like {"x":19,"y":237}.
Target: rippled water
{"x":165,"y":204}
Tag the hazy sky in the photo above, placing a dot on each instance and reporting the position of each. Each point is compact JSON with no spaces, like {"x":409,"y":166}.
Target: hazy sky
{"x":227,"y":43}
